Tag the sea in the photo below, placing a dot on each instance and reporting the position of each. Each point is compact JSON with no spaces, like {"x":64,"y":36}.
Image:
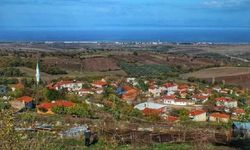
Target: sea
{"x":214,"y":35}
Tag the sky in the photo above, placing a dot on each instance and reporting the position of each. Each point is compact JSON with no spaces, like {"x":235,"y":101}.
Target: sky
{"x":101,"y":14}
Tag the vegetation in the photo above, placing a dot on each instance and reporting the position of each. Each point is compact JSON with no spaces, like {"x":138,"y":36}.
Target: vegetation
{"x":53,"y":70}
{"x":79,"y":110}
{"x":53,"y":94}
{"x":4,"y":105}
{"x":147,"y":69}
{"x":6,"y":81}
{"x":10,"y":72}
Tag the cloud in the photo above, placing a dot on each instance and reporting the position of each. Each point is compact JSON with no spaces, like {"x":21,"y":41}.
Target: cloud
{"x":231,"y":4}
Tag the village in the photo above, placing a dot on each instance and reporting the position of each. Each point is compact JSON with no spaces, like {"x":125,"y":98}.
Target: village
{"x":148,"y":97}
{"x":123,"y":99}
{"x":167,"y":102}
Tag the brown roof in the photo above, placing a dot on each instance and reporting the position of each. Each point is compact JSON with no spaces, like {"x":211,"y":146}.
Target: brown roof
{"x":196,"y":112}
{"x":62,"y":103}
{"x":239,"y":111}
{"x":219,"y":115}
{"x":25,"y":99}
{"x":149,"y":111}
{"x":171,"y":118}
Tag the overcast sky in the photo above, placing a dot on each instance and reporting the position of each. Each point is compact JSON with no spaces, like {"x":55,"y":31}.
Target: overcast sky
{"x":88,"y":14}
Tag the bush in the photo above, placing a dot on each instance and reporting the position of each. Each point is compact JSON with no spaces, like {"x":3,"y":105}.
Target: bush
{"x":60,"y":110}
{"x":53,"y":94}
{"x":136,"y":113}
{"x":4,"y":105}
{"x":80,"y":110}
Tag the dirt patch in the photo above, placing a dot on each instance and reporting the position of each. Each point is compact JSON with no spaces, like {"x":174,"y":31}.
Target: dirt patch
{"x":100,"y":64}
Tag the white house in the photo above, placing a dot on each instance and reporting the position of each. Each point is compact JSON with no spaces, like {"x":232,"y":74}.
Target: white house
{"x":198,"y":115}
{"x":99,"y":84}
{"x":199,"y":98}
{"x":68,"y":85}
{"x":82,"y":92}
{"x":156,"y":91}
{"x":168,"y":99}
{"x":150,"y":105}
{"x":181,"y":102}
{"x":132,"y":81}
{"x":171,"y":100}
{"x":171,"y":87}
{"x":226,"y":102}
{"x":217,"y":89}
{"x":219,"y":117}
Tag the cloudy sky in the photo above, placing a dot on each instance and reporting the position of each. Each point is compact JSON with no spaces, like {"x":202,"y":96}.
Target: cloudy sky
{"x":86,"y":14}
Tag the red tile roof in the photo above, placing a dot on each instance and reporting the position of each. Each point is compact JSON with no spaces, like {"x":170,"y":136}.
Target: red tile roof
{"x":196,"y":112}
{"x":25,"y":99}
{"x":183,"y":87}
{"x":49,"y":105}
{"x":219,"y":115}
{"x":167,"y":85}
{"x":239,"y":111}
{"x":149,"y":111}
{"x":171,"y":118}
{"x":223,"y":99}
{"x":201,"y":97}
{"x":127,"y":88}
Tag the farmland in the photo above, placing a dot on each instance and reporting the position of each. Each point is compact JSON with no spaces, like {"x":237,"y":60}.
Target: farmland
{"x":231,"y":75}
{"x":91,"y":59}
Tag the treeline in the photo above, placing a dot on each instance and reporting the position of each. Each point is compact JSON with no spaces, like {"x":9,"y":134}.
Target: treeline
{"x":53,"y":70}
{"x":10,"y":72}
{"x":6,"y":81}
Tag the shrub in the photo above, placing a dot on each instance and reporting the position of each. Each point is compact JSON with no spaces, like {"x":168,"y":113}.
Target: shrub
{"x":60,"y":110}
{"x":80,"y":110}
{"x":4,"y":105}
{"x":53,"y":94}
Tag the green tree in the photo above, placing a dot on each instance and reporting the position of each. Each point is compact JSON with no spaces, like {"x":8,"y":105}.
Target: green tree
{"x":53,"y":94}
{"x":142,"y":85}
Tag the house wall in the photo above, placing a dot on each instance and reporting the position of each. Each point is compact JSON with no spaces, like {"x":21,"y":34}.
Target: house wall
{"x":169,"y":101}
{"x":180,"y":103}
{"x":173,"y":88}
{"x":211,"y":118}
{"x":201,"y":117}
{"x":232,"y":104}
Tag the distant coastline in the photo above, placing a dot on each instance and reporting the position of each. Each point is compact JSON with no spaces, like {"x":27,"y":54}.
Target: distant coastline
{"x":168,"y":35}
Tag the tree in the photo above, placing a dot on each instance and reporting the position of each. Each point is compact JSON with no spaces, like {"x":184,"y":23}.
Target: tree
{"x":53,"y":94}
{"x":142,"y":85}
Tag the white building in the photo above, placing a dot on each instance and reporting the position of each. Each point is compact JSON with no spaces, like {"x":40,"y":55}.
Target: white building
{"x":150,"y":105}
{"x":226,"y":102}
{"x":68,"y":85}
{"x":198,"y":115}
{"x":171,"y":87}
